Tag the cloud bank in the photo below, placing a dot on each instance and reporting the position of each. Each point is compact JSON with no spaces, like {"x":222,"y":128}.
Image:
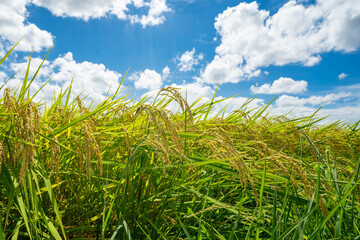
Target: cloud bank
{"x":91,"y":79}
{"x":14,"y":25}
{"x":251,"y":38}
{"x":91,"y":9}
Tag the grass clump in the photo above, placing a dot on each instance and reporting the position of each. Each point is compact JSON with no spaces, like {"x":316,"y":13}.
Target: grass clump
{"x":134,"y":170}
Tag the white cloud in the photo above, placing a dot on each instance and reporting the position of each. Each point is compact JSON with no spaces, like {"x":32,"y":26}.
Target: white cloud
{"x":2,"y":50}
{"x":148,"y":79}
{"x":251,"y":38}
{"x":155,"y":16}
{"x":188,"y":60}
{"x":281,"y":85}
{"x":84,"y":9}
{"x":165,"y":72}
{"x":285,"y":101}
{"x":347,"y":113}
{"x":224,"y":69}
{"x":342,"y":76}
{"x":95,"y":9}
{"x":304,"y":107}
{"x":13,"y":26}
{"x":3,"y":77}
{"x":354,"y":87}
{"x":21,"y":66}
{"x":91,"y":79}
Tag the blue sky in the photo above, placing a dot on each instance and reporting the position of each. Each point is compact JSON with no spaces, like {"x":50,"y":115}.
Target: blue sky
{"x":304,"y":52}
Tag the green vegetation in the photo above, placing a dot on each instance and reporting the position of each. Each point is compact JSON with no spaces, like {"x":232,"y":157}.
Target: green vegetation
{"x":133,"y":170}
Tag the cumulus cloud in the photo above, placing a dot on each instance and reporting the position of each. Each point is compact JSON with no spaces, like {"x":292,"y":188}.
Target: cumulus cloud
{"x":21,"y":66}
{"x":188,"y":60}
{"x":87,"y":75}
{"x":227,"y":68}
{"x":91,"y":79}
{"x":13,"y":26}
{"x":342,"y":76}
{"x":148,"y":79}
{"x":281,"y":85}
{"x":95,"y":9}
{"x":251,"y":38}
{"x":155,"y":16}
{"x":166,"y":72}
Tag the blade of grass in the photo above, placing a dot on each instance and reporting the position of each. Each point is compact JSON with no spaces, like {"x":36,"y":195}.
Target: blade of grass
{"x":339,"y":204}
{"x":211,"y":103}
{"x":51,"y":194}
{"x":290,"y":229}
{"x":24,"y":84}
{"x":156,"y":227}
{"x":106,"y":219}
{"x":237,"y":219}
{"x":202,"y":210}
{"x":184,"y":228}
{"x":274,"y":216}
{"x":261,"y":202}
{"x":2,"y":235}
{"x":116,"y":231}
{"x":8,"y":53}
{"x":142,"y":229}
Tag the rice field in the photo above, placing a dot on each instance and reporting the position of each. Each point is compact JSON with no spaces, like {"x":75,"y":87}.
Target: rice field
{"x":125,"y":169}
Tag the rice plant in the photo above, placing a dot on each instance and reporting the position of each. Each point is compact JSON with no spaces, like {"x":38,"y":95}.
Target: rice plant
{"x":135,"y":170}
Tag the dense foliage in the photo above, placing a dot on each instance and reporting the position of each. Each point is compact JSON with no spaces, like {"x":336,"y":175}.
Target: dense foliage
{"x":134,"y":170}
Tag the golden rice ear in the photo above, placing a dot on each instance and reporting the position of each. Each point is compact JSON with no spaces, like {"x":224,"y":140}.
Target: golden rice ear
{"x":92,"y":146}
{"x":24,"y":129}
{"x":174,"y":94}
{"x":164,"y":128}
{"x":7,"y":100}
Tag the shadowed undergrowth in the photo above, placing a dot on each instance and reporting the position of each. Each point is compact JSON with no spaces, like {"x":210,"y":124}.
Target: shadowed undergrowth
{"x":135,"y":170}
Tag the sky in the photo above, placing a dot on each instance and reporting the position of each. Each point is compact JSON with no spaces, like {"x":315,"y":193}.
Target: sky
{"x":305,"y":53}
